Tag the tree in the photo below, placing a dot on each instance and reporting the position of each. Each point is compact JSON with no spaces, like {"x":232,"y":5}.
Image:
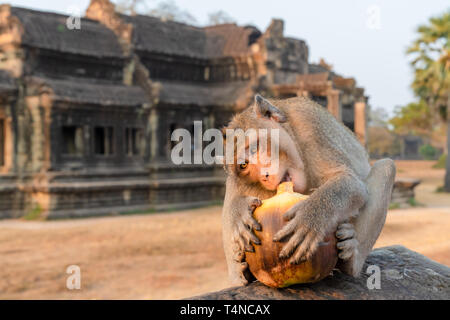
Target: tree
{"x":131,"y":7}
{"x":219,"y":17}
{"x":414,"y":118}
{"x":166,"y":10}
{"x":431,"y":64}
{"x":378,"y":118}
{"x":382,"y":143}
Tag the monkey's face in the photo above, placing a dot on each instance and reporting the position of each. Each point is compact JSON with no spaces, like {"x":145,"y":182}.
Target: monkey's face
{"x":269,"y":159}
{"x":256,"y":165}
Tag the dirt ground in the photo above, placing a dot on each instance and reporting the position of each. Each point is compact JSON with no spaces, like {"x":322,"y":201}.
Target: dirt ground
{"x":173,"y":255}
{"x":430,"y":179}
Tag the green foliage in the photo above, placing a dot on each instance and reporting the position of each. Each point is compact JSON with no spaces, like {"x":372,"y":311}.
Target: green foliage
{"x":34,"y":214}
{"x":442,"y":161}
{"x":431,"y":62}
{"x":394,"y":205}
{"x":428,"y":152}
{"x":414,"y":118}
{"x":412,"y":202}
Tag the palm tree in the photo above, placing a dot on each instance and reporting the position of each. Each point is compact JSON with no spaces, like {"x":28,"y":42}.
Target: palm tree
{"x":431,"y":63}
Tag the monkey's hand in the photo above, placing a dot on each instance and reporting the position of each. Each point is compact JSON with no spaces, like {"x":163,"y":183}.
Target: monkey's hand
{"x":347,"y":242}
{"x":243,"y":224}
{"x":306,"y":228}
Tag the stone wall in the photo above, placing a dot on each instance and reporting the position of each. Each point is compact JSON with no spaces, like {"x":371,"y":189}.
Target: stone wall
{"x":403,"y":194}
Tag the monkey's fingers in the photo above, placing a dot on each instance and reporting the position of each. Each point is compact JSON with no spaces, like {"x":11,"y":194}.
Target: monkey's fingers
{"x":292,"y":212}
{"x":242,"y":243}
{"x":238,"y":254}
{"x":254,"y":203}
{"x":292,"y":244}
{"x":347,"y":248}
{"x":288,"y":229}
{"x":345,"y":231}
{"x":306,"y":249}
{"x":248,"y":237}
{"x":251,"y":222}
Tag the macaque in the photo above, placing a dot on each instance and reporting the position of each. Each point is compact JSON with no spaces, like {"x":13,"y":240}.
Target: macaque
{"x":323,"y":159}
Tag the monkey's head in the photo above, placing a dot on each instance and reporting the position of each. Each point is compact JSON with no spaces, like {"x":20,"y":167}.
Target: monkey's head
{"x":263,"y":153}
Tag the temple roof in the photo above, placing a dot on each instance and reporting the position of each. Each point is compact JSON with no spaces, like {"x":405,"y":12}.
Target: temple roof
{"x":313,"y":77}
{"x":92,"y":93}
{"x":317,"y":68}
{"x":7,"y":83}
{"x":48,"y":30}
{"x":223,"y":94}
{"x":235,"y":40}
{"x":344,"y":83}
{"x":154,"y":35}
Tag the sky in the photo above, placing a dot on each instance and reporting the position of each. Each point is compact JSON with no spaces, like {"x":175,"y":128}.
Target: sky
{"x":365,"y":39}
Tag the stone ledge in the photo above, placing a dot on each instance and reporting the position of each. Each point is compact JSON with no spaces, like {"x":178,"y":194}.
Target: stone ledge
{"x":405,"y":274}
{"x":406,"y":183}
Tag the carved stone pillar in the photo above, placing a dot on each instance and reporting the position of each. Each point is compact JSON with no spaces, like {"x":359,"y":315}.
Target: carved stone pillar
{"x":6,"y":136}
{"x":333,"y":105}
{"x":360,"y":122}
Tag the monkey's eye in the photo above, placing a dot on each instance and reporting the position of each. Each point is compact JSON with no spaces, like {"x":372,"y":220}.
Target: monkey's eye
{"x":244,"y":165}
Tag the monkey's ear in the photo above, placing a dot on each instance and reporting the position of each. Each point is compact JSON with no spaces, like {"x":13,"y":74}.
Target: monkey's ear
{"x":264,"y":108}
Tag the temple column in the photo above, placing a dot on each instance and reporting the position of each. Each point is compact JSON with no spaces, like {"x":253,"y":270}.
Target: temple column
{"x":333,"y":105}
{"x":302,"y":93}
{"x":360,"y":122}
{"x":6,"y":137}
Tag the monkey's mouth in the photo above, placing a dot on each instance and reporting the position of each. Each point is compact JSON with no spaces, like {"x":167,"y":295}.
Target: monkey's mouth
{"x":286,"y":177}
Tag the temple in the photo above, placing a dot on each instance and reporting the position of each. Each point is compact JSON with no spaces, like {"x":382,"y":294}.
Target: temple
{"x":86,"y":115}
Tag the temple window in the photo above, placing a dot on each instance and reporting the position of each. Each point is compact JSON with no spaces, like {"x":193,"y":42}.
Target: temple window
{"x":172,"y":128}
{"x":2,"y":142}
{"x":348,"y":116}
{"x":72,"y":137}
{"x":322,"y":100}
{"x":104,"y":140}
{"x":133,"y":138}
{"x":206,"y":74}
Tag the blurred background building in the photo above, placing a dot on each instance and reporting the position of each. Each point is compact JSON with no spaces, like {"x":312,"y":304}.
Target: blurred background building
{"x":86,"y":115}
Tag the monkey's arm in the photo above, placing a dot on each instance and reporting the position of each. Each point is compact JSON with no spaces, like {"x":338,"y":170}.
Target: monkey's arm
{"x":310,"y":220}
{"x":237,"y":235}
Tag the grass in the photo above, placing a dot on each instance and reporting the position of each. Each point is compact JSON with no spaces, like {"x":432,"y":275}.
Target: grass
{"x":441,"y":190}
{"x":34,"y":214}
{"x":394,"y":205}
{"x":440,"y":164}
{"x":413,"y":203}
